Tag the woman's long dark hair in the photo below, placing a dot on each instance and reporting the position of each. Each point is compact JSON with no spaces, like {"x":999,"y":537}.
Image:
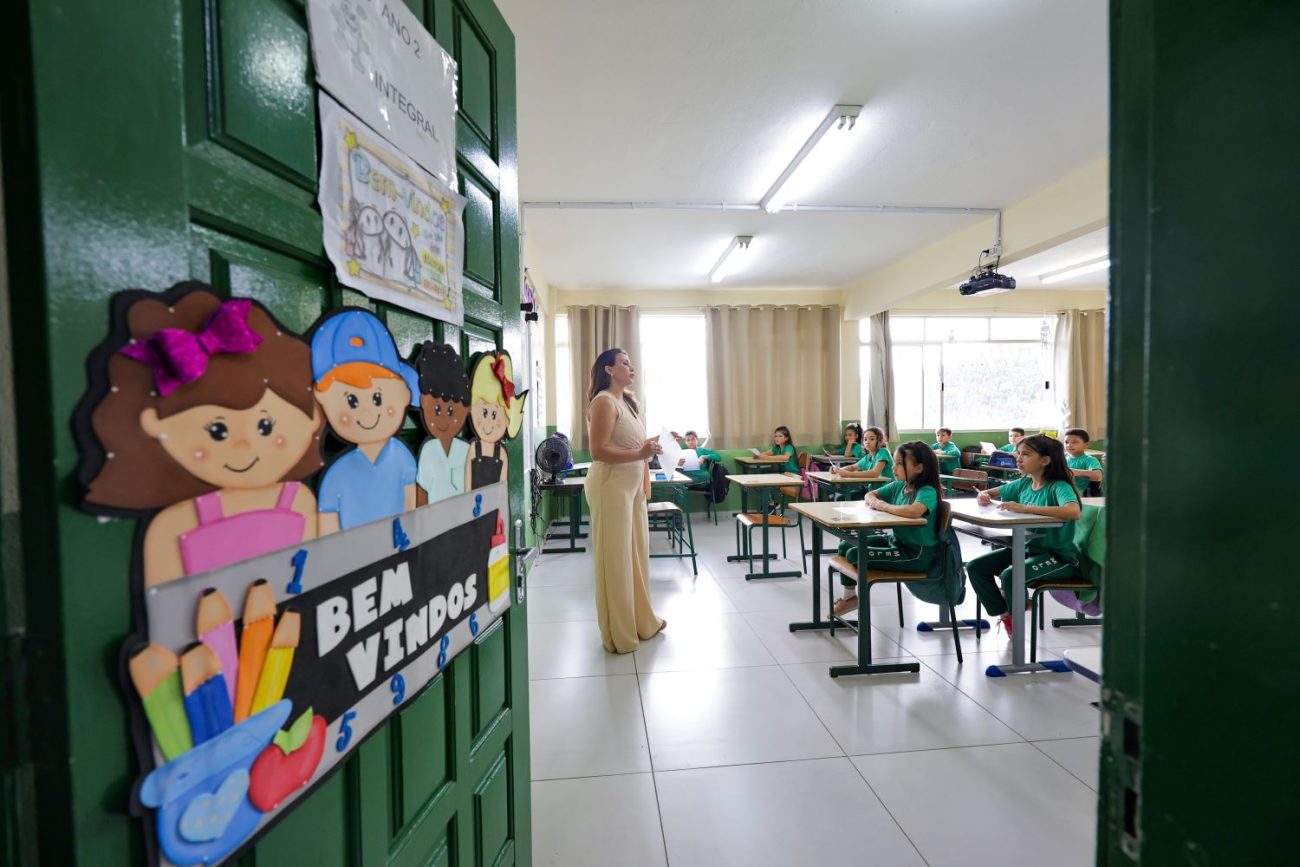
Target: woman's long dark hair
{"x":1058,"y":470}
{"x":600,"y":380}
{"x":918,"y":452}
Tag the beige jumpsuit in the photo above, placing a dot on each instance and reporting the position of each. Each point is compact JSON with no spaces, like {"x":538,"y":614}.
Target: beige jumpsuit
{"x":620,"y":539}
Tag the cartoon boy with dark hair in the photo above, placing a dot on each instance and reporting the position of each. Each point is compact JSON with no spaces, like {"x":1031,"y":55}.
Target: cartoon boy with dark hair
{"x":444,"y":407}
{"x":365,"y":390}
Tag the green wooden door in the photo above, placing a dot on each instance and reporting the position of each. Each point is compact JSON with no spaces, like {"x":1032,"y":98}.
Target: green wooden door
{"x":175,"y":140}
{"x":1201,"y":663}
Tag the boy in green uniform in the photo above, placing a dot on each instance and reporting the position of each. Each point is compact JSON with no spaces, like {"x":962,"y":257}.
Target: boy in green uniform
{"x":1016,"y":434}
{"x":908,"y":549}
{"x":1045,"y":489}
{"x":1085,"y":468}
{"x":946,"y":450}
{"x":707,"y":457}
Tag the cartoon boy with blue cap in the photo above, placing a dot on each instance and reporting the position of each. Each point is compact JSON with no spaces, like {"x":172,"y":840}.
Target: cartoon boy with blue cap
{"x":365,"y":390}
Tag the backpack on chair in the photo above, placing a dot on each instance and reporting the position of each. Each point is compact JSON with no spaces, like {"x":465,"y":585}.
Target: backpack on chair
{"x":719,"y":484}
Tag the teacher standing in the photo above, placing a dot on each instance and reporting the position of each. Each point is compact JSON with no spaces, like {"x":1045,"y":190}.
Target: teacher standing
{"x":618,"y":485}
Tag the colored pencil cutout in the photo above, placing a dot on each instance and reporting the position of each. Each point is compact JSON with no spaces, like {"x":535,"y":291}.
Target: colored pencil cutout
{"x":215,"y":627}
{"x":279,"y":659}
{"x":254,"y":642}
{"x":207,"y":701}
{"x":155,"y":671}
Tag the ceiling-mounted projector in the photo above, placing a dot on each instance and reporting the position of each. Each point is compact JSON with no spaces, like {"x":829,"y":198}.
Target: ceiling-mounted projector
{"x":985,"y":278}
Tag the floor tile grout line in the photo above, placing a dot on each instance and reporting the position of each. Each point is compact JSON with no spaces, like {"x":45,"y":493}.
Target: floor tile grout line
{"x":1057,"y":762}
{"x":654,"y":782}
{"x":890,"y":813}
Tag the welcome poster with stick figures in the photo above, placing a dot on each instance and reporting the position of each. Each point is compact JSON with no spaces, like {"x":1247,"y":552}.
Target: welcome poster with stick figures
{"x":392,"y":230}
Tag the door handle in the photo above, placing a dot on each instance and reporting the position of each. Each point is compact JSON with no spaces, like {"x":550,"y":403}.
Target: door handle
{"x":524,"y":558}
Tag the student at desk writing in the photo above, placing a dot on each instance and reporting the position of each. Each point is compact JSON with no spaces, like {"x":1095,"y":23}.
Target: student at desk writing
{"x":1045,"y":489}
{"x":876,"y":460}
{"x":915,"y":494}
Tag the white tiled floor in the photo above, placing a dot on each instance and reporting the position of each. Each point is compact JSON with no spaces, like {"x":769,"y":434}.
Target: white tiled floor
{"x":724,"y":741}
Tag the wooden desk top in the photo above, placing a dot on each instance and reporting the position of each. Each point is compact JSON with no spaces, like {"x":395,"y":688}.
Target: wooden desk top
{"x":826,"y":478}
{"x":972,"y":512}
{"x":676,"y":478}
{"x":852,"y":515}
{"x":768,"y":459}
{"x":835,"y":459}
{"x":766,"y":480}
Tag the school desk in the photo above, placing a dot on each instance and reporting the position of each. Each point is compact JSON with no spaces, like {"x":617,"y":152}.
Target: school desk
{"x":850,"y":521}
{"x":580,"y":467}
{"x":765,"y":486}
{"x":751,"y":464}
{"x":571,"y":487}
{"x":848,"y":488}
{"x":1086,"y":661}
{"x":682,"y":537}
{"x":1021,"y":527}
{"x":831,"y":461}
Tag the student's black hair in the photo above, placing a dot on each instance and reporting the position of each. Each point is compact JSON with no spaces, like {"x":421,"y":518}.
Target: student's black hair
{"x":1058,"y":470}
{"x":1018,"y":430}
{"x":946,"y":430}
{"x":1078,"y":432}
{"x":856,"y":428}
{"x":789,"y":440}
{"x":920,"y":453}
{"x":442,"y":374}
{"x":690,"y":433}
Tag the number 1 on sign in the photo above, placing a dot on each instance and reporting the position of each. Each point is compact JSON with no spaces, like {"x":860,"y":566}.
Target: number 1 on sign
{"x":299,"y":561}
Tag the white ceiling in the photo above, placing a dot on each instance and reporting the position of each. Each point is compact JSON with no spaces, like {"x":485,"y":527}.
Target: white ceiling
{"x":1085,"y":248}
{"x":966,"y":104}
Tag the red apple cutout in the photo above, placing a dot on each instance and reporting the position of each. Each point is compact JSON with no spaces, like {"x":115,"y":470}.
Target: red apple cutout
{"x":288,"y":763}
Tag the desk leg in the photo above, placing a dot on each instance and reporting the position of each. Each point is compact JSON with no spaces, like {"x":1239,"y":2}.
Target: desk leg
{"x":764,"y":499}
{"x":1019,"y":538}
{"x":816,"y":622}
{"x":864,"y":665}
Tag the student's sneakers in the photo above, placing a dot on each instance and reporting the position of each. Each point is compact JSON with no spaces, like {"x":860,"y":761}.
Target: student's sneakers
{"x":1006,"y":623}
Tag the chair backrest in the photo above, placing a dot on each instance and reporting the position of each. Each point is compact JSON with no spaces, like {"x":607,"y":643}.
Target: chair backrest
{"x":803,"y":461}
{"x":944,"y":519}
{"x":979,"y":475}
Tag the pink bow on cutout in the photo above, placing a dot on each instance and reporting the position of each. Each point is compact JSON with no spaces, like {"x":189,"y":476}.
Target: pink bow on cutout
{"x":178,"y":356}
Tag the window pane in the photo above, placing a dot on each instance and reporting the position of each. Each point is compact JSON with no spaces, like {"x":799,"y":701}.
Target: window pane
{"x":909,"y":387}
{"x":563,"y":379}
{"x":673,"y":385}
{"x":864,"y":330}
{"x":1016,"y":328}
{"x":907,"y":328}
{"x":991,"y":386}
{"x":933,"y":385}
{"x":947,"y":328}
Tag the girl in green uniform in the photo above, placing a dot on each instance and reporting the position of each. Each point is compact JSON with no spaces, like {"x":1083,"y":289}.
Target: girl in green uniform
{"x":876,"y":460}
{"x":1045,"y":489}
{"x":915,"y":494}
{"x":782,"y":445}
{"x":852,"y":445}
{"x":1084,"y":467}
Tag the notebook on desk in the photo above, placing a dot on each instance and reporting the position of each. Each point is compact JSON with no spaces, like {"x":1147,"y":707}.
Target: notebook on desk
{"x":756,"y":453}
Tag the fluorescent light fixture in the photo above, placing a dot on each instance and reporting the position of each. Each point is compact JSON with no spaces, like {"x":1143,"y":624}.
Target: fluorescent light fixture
{"x":730,"y":258}
{"x":838,"y":123}
{"x":1101,"y":263}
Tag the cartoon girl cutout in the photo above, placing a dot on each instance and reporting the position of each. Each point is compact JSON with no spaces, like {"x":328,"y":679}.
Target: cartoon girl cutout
{"x":496,"y":413}
{"x":444,"y":409}
{"x":207,"y":415}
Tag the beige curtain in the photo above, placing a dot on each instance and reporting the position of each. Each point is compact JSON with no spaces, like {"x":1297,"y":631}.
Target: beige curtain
{"x":1079,"y":375}
{"x":769,"y":366}
{"x":880,"y":408}
{"x":592,"y":330}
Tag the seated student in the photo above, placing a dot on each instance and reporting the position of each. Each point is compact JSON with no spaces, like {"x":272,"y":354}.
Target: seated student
{"x":1016,"y":434}
{"x":915,"y":494}
{"x":947,"y":450}
{"x":851,"y":447}
{"x":781,"y":445}
{"x":707,"y":457}
{"x":1045,"y":489}
{"x":876,"y":461}
{"x":1085,"y":468}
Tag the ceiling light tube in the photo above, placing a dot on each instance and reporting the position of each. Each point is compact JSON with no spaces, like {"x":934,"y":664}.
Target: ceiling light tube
{"x":730,"y":257}
{"x":842,"y":118}
{"x":1099,"y":264}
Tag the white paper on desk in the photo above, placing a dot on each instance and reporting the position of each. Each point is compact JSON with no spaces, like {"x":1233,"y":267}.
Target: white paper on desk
{"x":671,"y":451}
{"x":755,"y":452}
{"x":692,"y":461}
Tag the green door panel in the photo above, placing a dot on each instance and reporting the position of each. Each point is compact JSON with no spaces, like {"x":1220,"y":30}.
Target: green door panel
{"x":203,"y":165}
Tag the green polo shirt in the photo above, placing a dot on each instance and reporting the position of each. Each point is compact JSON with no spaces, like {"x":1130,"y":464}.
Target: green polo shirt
{"x":899,"y":494}
{"x":702,"y":475}
{"x":1083,"y":462}
{"x":1007,"y":448}
{"x":946,"y":466}
{"x":869,"y":461}
{"x":792,"y":461}
{"x":1057,"y":540}
{"x":855,"y":452}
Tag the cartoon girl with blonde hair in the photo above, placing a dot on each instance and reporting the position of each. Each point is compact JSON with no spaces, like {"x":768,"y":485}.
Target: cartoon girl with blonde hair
{"x":201,"y":409}
{"x":496,"y":413}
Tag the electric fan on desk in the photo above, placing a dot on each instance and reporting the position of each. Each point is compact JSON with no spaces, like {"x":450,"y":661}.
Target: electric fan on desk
{"x":553,"y":457}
